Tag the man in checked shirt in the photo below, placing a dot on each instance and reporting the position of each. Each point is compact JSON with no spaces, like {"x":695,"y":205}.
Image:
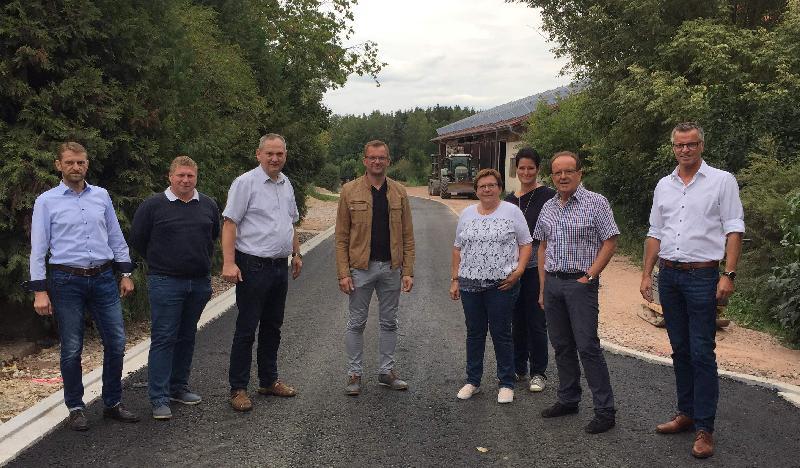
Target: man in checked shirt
{"x":578,"y":237}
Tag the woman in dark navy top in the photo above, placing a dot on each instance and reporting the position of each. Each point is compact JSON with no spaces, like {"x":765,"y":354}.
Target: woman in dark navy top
{"x":529,"y":326}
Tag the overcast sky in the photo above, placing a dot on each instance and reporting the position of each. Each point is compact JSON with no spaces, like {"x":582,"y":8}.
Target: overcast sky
{"x":478,"y":53}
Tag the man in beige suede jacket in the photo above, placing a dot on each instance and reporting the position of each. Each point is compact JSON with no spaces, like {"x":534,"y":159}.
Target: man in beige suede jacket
{"x":374,"y":251}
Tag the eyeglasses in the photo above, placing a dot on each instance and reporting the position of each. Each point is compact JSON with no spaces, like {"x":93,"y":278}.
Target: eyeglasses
{"x":566,"y":172}
{"x":373,"y":159}
{"x":487,"y":186}
{"x":692,"y":145}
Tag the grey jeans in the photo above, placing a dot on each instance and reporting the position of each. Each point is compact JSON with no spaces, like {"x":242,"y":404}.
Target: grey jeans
{"x":386,"y":283}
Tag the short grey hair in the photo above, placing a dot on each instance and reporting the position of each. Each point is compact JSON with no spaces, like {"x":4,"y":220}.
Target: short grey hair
{"x":687,"y":127}
{"x":272,"y":136}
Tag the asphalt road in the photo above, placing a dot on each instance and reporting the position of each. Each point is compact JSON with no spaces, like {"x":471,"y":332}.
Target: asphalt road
{"x":425,"y":426}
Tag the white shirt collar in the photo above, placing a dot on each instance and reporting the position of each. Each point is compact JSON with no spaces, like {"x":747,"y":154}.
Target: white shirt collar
{"x":704,"y":168}
{"x":171,"y":196}
{"x":266,"y":178}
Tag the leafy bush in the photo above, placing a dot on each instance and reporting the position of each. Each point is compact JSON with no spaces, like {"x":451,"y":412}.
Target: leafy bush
{"x":771,"y":255}
{"x":401,"y":170}
{"x":328,"y":177}
{"x":350,"y":169}
{"x":785,"y":279}
{"x":138,"y":83}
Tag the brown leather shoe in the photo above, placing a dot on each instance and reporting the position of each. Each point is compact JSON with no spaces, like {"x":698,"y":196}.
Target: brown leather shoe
{"x":240,"y":401}
{"x":680,"y":423}
{"x":278,"y":388}
{"x":703,"y":445}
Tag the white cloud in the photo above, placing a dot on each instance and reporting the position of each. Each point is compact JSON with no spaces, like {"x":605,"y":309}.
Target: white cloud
{"x":478,"y":53}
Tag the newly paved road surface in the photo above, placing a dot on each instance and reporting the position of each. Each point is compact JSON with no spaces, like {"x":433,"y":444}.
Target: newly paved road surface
{"x":425,"y":426}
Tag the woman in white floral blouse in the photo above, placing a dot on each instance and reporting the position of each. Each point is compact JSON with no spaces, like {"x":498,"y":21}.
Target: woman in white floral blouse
{"x":490,"y":252}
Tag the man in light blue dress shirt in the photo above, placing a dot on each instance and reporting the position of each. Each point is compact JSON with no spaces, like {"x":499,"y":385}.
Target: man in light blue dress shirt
{"x":258,"y":236}
{"x":75,"y":222}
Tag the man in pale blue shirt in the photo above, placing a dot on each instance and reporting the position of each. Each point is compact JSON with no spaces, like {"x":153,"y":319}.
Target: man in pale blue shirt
{"x":258,"y":236}
{"x":76,"y":223}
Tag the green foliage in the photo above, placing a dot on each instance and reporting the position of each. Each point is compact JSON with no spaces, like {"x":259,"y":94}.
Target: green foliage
{"x":408,"y":133}
{"x":732,"y":66}
{"x":785,"y":279}
{"x":311,"y":192}
{"x":401,"y":170}
{"x":349,"y":169}
{"x":328,"y":177}
{"x":767,"y":188}
{"x":559,"y":127}
{"x":139,"y":82}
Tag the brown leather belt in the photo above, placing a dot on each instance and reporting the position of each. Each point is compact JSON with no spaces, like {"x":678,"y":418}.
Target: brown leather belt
{"x":664,"y":263}
{"x":83,"y":271}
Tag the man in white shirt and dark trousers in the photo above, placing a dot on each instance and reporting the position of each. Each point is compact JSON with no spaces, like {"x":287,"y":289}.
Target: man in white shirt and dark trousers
{"x":258,"y":236}
{"x":696,"y":220}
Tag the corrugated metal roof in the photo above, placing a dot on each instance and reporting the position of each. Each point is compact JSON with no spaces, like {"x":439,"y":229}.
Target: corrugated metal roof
{"x":505,"y":112}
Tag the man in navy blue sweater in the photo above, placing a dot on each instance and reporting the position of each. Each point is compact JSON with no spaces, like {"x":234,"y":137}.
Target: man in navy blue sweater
{"x":175,"y":232}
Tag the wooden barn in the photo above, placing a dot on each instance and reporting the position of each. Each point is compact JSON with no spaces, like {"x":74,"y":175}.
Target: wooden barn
{"x":494,"y":136}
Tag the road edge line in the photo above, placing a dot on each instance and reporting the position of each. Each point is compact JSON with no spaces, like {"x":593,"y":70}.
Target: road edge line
{"x":788,"y":392}
{"x":33,"y":424}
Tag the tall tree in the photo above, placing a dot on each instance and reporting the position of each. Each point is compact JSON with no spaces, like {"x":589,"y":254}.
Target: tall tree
{"x":139,"y":82}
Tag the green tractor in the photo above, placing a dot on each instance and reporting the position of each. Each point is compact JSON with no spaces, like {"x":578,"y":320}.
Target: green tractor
{"x":452,"y":176}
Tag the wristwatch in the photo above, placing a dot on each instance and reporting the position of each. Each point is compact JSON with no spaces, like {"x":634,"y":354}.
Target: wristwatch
{"x":125,"y":275}
{"x":730,"y":274}
{"x":297,"y":254}
{"x":589,"y":277}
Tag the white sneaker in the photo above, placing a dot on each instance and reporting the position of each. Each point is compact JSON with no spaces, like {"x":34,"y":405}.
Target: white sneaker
{"x":467,"y":391}
{"x":537,"y":383}
{"x":505,"y":395}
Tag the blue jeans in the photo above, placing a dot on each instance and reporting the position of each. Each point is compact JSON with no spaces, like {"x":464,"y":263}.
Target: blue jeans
{"x":175,"y":308}
{"x":71,"y":295}
{"x":688,"y":298}
{"x":260,"y":298}
{"x":529,"y":327}
{"x":489,"y":310}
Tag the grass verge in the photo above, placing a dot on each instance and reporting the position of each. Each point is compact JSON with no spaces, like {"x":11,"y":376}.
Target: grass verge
{"x":311,"y":192}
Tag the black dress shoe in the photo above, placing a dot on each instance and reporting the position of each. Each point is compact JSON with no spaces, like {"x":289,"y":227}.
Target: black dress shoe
{"x":559,"y":410}
{"x":77,"y":420}
{"x":120,"y":414}
{"x":600,"y":424}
